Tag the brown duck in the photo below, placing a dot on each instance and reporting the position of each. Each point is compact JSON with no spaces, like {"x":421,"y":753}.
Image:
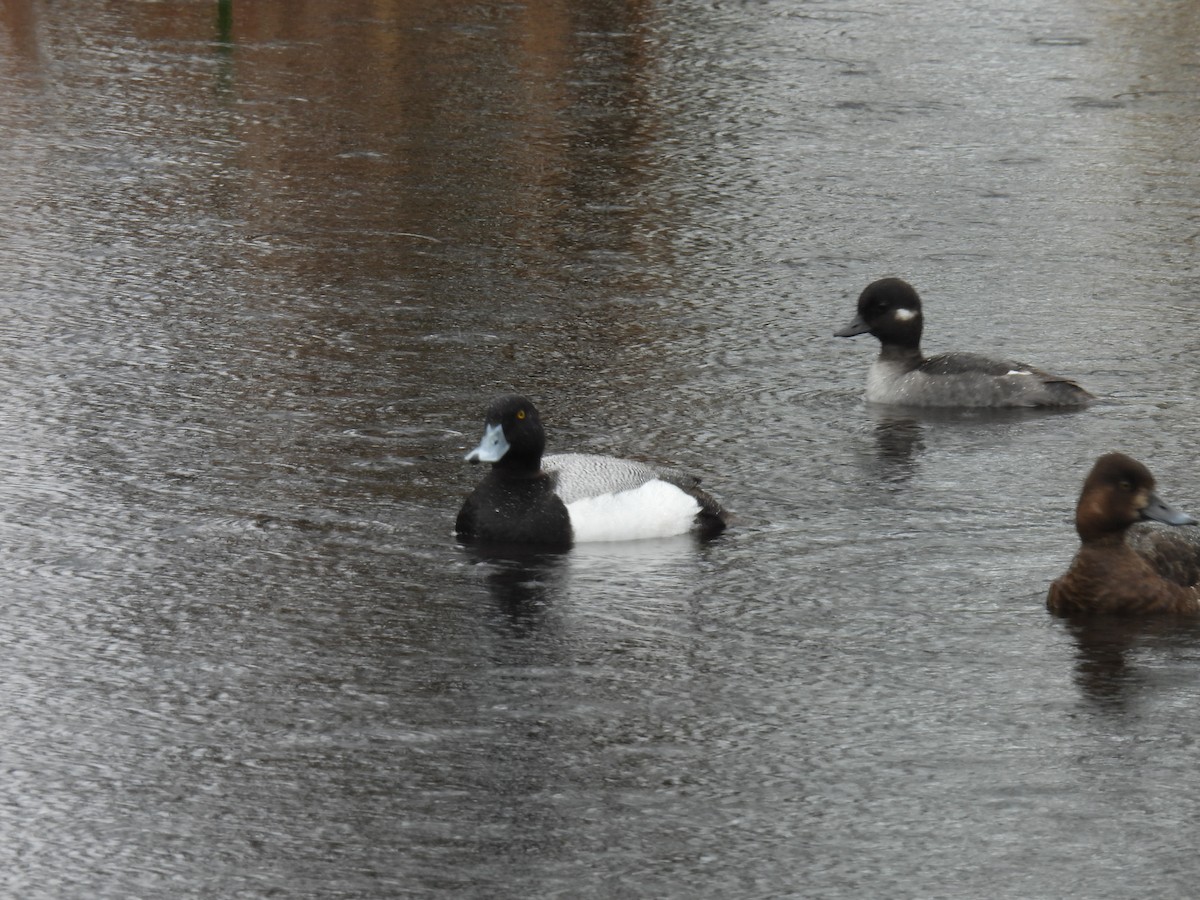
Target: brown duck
{"x":1123,"y":567}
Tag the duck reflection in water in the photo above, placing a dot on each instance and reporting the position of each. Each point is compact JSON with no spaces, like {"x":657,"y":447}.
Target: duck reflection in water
{"x":522,"y":581}
{"x":1107,"y":647}
{"x":901,"y":431}
{"x":899,"y":442}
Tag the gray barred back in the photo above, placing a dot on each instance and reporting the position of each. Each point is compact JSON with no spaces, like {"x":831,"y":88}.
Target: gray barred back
{"x":580,"y":475}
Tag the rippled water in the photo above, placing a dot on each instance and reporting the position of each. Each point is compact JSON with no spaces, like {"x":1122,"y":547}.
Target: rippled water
{"x":264,"y":264}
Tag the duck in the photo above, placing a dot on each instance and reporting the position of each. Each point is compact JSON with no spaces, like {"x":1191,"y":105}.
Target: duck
{"x":556,"y":501}
{"x":1127,"y":566}
{"x":890,"y":309}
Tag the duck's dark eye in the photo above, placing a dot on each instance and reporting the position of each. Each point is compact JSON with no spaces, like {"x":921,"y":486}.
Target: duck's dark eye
{"x":1125,"y":484}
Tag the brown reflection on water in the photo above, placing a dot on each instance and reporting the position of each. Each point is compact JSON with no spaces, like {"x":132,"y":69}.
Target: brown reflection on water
{"x":1106,"y":671}
{"x":406,"y":122}
{"x":418,"y":122}
{"x":436,"y":183}
{"x":494,"y":162}
{"x":18,"y":31}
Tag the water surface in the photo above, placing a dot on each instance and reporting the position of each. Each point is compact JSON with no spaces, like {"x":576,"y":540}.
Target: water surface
{"x":262,"y":270}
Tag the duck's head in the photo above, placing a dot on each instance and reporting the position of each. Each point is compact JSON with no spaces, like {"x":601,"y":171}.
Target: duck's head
{"x":512,"y":435}
{"x":890,"y":309}
{"x":1117,"y":493}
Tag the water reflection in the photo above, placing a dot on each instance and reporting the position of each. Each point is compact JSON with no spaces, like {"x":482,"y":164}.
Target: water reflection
{"x":258,"y":271}
{"x":1106,"y":669}
{"x":225,"y":22}
{"x":529,"y":587}
{"x":902,"y":433}
{"x":899,"y":440}
{"x":1102,"y":669}
{"x":18,"y":22}
{"x":522,"y":582}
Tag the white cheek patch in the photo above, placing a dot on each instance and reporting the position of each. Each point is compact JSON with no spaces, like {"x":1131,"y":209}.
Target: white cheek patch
{"x":1017,"y":372}
{"x":904,"y":315}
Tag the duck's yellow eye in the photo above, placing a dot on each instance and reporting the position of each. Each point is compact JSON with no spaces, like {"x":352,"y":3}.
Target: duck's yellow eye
{"x":520,"y":414}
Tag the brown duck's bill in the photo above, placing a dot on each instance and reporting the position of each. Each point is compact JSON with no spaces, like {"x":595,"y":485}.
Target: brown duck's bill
{"x":1160,"y":511}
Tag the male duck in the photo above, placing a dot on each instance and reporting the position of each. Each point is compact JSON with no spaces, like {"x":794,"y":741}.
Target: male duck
{"x":567,"y":498}
{"x":1123,"y":570}
{"x":891,"y":310}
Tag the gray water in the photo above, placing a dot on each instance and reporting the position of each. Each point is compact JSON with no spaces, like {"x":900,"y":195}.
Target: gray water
{"x":263,"y":265}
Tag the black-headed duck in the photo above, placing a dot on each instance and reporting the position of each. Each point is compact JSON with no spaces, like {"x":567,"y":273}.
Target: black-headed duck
{"x":890,"y":309}
{"x":1125,"y":568}
{"x":558,"y":500}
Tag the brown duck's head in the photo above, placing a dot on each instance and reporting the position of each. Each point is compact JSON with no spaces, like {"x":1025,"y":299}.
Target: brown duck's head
{"x":1117,"y":493}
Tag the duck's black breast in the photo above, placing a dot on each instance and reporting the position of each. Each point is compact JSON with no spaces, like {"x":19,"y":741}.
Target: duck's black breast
{"x":515,"y":510}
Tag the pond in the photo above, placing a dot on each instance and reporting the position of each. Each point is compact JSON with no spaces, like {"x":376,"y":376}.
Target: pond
{"x":263,"y":267}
